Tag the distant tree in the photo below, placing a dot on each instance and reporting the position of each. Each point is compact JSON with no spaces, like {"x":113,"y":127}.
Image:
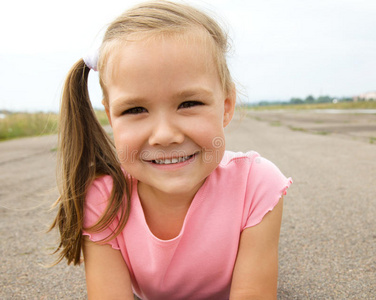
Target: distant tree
{"x":296,"y":101}
{"x":309,"y":99}
{"x":324,"y":99}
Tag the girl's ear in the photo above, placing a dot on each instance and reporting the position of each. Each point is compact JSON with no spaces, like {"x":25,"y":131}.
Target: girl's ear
{"x":106,"y":108}
{"x":229,"y":107}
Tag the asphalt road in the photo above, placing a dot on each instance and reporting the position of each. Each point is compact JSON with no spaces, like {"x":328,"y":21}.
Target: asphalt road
{"x":328,"y":236}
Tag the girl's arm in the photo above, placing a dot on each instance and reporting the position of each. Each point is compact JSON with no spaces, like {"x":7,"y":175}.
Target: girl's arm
{"x":255,"y":274}
{"x":107,"y":275}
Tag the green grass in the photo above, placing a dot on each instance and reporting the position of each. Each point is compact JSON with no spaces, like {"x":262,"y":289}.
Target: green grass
{"x":323,"y":132}
{"x":275,"y":123}
{"x":16,"y":125}
{"x":293,"y":128}
{"x":102,"y":117}
{"x":24,"y":124}
{"x":339,"y":105}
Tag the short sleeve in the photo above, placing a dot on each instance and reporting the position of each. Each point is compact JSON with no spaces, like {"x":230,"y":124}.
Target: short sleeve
{"x":95,"y":204}
{"x":265,"y":187}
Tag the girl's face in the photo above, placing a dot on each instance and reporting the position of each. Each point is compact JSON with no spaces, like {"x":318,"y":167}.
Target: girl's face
{"x":168,"y":111}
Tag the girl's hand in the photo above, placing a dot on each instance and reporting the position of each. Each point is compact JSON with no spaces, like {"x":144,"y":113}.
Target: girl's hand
{"x":107,"y":275}
{"x":255,"y":274}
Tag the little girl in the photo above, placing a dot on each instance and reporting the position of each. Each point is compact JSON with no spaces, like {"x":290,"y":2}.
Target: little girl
{"x":164,"y":212}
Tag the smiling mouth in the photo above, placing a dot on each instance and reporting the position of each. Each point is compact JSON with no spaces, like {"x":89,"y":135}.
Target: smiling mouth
{"x":175,"y":160}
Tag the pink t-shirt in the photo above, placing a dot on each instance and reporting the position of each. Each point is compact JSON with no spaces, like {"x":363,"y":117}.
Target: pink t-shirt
{"x":198,"y":263}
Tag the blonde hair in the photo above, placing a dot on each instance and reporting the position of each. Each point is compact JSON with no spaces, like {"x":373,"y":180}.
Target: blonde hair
{"x":165,"y":18}
{"x":85,"y":151}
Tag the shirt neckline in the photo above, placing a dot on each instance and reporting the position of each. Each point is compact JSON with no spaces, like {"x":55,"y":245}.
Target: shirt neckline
{"x":197,"y":200}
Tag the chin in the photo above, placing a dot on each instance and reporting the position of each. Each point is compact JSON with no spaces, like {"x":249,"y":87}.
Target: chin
{"x":180,"y":188}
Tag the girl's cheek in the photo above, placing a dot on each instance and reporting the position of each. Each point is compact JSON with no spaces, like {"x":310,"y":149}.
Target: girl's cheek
{"x":126,"y":147}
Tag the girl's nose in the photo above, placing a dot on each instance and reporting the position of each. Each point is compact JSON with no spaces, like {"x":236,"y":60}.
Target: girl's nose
{"x":165,"y":132}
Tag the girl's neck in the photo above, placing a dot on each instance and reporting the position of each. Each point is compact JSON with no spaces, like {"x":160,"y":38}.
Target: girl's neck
{"x":164,"y":213}
{"x":158,"y":200}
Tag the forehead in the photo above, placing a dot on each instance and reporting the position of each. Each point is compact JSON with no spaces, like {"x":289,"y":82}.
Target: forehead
{"x":197,"y":42}
{"x":162,"y":69}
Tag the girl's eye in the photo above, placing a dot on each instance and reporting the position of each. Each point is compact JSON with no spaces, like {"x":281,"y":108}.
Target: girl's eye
{"x":188,"y":104}
{"x":134,"y":111}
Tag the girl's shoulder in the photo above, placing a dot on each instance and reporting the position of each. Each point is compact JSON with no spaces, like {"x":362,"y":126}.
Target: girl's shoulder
{"x":240,"y":162}
{"x":231,"y":157}
{"x":257,"y":182}
{"x":98,"y":193}
{"x":102,"y":184}
{"x":251,"y":169}
{"x":95,"y":208}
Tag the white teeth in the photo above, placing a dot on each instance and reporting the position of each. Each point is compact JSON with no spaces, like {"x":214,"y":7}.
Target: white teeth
{"x":172,"y":160}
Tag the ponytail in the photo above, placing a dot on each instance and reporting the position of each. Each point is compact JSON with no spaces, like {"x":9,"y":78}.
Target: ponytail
{"x":85,"y":152}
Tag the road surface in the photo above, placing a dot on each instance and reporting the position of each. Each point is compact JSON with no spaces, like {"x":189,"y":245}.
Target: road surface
{"x":328,"y":236}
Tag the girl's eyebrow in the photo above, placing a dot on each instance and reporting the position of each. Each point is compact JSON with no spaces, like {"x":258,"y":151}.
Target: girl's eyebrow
{"x":194,"y":92}
{"x":128,"y":102}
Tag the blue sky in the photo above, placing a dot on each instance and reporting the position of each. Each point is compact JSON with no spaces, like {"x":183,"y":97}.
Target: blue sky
{"x":281,"y":49}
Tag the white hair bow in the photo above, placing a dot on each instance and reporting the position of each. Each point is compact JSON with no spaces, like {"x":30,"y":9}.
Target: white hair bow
{"x":92,"y":56}
{"x":91,"y":59}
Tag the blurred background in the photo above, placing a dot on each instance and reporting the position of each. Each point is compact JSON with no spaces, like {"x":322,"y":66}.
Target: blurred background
{"x":282,"y":50}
